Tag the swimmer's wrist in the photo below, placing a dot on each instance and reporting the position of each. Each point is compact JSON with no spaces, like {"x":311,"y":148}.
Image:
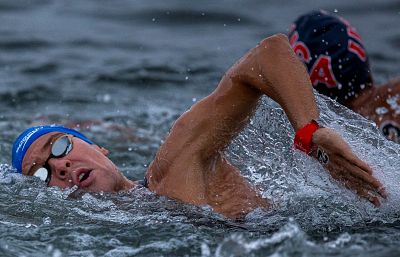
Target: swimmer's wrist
{"x":303,"y":139}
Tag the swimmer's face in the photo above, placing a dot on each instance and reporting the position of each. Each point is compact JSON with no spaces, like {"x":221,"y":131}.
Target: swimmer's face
{"x":86,"y":166}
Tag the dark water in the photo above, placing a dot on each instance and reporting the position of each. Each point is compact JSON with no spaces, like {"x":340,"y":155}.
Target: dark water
{"x":123,"y":71}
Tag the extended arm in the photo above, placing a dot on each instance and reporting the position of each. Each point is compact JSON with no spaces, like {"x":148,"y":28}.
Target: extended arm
{"x":190,"y":165}
{"x":272,"y":68}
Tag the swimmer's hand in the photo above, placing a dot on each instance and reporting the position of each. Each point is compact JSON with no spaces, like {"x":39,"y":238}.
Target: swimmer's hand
{"x":343,"y":165}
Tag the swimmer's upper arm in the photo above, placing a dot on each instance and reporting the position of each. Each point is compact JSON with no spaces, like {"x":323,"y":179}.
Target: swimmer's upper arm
{"x":199,"y":135}
{"x":271,"y":68}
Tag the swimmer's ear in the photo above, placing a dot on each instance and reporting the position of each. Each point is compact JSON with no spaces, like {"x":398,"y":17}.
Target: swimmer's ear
{"x":103,"y":150}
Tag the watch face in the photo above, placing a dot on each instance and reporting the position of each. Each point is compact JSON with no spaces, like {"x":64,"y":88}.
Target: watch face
{"x":322,"y":156}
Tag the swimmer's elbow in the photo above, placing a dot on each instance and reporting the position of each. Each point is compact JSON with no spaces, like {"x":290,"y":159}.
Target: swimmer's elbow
{"x":275,"y":41}
{"x":274,"y":46}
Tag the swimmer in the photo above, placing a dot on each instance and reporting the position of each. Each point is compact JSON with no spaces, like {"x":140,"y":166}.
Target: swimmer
{"x":338,"y":65}
{"x":190,"y":166}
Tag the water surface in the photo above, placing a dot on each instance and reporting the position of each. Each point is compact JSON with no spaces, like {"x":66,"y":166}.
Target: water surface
{"x":124,"y":71}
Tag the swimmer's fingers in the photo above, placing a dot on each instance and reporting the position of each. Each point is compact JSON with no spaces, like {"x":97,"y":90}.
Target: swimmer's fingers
{"x":366,"y":195}
{"x":364,"y":174}
{"x":345,"y":161}
{"x":362,"y":192}
{"x":348,"y":172}
{"x":354,"y":184}
{"x":361,"y":170}
{"x":352,"y":158}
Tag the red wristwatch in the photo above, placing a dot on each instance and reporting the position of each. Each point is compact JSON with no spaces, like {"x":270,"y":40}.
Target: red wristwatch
{"x":303,"y":137}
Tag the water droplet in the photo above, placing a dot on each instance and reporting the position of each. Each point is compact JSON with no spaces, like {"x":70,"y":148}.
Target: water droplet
{"x":335,"y":10}
{"x":106,"y":98}
{"x":194,"y":99}
{"x":49,"y":248}
{"x":186,"y":78}
{"x":130,"y":149}
{"x":381,"y":110}
{"x":394,"y":103}
{"x":153,"y":20}
{"x":46,"y":221}
{"x":57,"y":253}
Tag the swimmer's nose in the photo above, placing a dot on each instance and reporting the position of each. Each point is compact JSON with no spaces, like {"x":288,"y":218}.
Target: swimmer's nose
{"x":60,"y":168}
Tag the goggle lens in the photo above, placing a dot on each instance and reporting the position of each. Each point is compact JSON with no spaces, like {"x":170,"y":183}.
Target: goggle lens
{"x":60,"y":148}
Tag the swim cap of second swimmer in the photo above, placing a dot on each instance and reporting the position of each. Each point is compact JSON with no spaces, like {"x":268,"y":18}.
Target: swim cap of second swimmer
{"x":333,"y":53}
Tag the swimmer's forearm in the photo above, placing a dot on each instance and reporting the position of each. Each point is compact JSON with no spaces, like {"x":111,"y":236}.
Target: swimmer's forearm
{"x":274,"y":69}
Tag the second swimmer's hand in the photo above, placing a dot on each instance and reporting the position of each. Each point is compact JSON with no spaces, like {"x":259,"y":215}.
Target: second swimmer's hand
{"x":343,"y":165}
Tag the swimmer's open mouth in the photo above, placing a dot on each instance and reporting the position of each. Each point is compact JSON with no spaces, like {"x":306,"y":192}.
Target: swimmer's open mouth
{"x":84,"y":176}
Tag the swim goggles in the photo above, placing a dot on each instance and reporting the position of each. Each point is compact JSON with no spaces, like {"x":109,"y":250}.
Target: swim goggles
{"x":60,"y":148}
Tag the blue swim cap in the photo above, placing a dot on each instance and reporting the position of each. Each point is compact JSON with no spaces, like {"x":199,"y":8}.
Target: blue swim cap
{"x":26,"y":138}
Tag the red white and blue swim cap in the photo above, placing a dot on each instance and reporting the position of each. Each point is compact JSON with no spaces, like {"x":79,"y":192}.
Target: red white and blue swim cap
{"x":30,"y":135}
{"x":333,"y":53}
